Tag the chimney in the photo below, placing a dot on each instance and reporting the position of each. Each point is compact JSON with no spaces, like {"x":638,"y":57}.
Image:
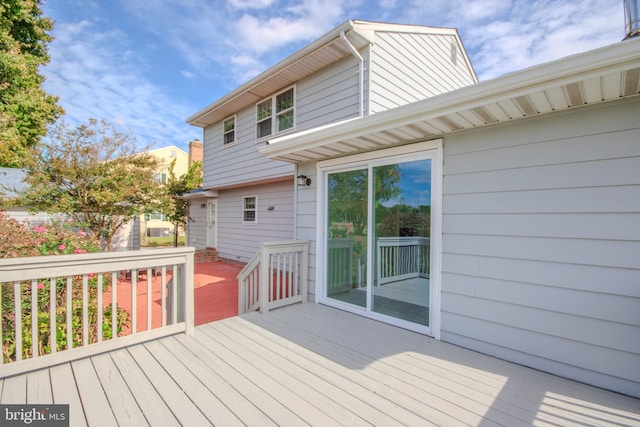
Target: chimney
{"x":195,"y":151}
{"x":631,"y":19}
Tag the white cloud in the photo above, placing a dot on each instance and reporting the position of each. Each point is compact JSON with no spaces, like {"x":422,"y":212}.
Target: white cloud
{"x":89,"y":74}
{"x":250,"y":4}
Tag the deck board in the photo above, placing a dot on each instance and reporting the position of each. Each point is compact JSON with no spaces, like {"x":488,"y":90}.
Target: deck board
{"x":65,"y":391}
{"x":39,"y":387}
{"x":123,"y":404}
{"x":95,"y":405}
{"x":311,"y":365}
{"x":154,"y":409}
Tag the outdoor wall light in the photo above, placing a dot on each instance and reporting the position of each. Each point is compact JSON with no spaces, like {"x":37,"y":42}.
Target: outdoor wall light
{"x":203,"y":205}
{"x":303,"y":181}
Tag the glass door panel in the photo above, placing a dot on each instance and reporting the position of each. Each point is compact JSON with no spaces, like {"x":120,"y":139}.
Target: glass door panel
{"x":401,"y":240}
{"x":347,"y":208}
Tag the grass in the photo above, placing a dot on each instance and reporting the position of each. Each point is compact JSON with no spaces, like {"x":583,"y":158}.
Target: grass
{"x":163,"y":241}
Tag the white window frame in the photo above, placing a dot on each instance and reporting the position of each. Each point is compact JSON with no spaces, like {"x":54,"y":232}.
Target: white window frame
{"x":276,"y":114}
{"x":224,"y":133}
{"x":254,"y":210}
{"x":434,"y":150}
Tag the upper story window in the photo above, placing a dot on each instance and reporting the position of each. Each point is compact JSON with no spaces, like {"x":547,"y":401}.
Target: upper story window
{"x":229,"y":131}
{"x":275,"y":114}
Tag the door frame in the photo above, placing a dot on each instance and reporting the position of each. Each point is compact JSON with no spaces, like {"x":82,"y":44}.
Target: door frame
{"x":212,"y":202}
{"x":432,"y":149}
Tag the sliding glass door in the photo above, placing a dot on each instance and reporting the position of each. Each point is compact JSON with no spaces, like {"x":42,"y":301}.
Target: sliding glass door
{"x":378,"y":237}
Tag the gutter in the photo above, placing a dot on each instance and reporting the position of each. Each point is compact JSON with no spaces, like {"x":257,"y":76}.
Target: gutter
{"x":355,"y":53}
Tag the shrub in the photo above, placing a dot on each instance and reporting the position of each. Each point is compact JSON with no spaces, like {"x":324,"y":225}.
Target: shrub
{"x":56,"y":237}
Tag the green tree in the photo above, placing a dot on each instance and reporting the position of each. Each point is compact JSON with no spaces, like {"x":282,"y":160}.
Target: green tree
{"x":94,"y":174}
{"x":176,"y":206}
{"x":25,"y":109}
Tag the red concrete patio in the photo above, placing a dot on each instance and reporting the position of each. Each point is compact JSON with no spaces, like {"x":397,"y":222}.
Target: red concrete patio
{"x":215,"y":294}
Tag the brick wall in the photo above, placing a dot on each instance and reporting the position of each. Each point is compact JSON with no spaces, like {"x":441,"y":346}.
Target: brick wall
{"x":206,"y":255}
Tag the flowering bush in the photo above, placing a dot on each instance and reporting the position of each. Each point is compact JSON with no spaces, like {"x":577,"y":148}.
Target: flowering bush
{"x":56,"y":237}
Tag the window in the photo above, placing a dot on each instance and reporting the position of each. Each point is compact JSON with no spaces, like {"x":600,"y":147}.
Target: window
{"x":229,"y":131}
{"x":275,"y":113}
{"x":155,"y":216}
{"x":249,"y":210}
{"x":160,"y":178}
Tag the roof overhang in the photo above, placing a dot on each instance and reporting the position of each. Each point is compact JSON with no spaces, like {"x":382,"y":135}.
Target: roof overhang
{"x":600,"y":75}
{"x":318,"y":55}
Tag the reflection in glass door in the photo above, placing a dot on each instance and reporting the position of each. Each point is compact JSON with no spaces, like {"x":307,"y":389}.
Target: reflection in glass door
{"x":385,"y":222}
{"x":347,"y":236}
{"x":401,"y":240}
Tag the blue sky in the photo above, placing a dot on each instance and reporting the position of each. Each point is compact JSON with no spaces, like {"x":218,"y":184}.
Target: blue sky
{"x":148,"y":65}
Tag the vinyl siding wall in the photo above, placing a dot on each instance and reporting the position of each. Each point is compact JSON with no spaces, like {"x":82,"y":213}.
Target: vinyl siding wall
{"x":240,"y":242}
{"x":307,"y":205}
{"x":410,"y":67}
{"x":324,"y":98}
{"x":541,"y":244}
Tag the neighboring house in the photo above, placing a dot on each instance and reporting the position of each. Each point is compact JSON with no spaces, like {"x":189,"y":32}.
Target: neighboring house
{"x":358,"y":69}
{"x":155,"y":224}
{"x":11,"y":185}
{"x":530,"y":188}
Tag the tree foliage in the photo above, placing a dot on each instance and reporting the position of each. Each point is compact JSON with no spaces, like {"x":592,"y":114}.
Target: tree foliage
{"x":25,"y":108}
{"x":176,"y":206}
{"x":94,"y":174}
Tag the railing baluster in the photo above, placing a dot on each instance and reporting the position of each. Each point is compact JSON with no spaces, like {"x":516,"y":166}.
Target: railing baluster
{"x":85,"y":310}
{"x":99,"y":308}
{"x":134,"y":301}
{"x":163,"y":292}
{"x":52,"y":314}
{"x":69,"y":312}
{"x":1,"y":322}
{"x":17,"y":307}
{"x":114,"y":304}
{"x":34,"y":318}
{"x":149,"y":290}
{"x":174,"y":299}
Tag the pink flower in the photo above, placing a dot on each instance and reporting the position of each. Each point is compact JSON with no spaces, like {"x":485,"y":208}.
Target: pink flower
{"x":82,"y":233}
{"x":80,"y":251}
{"x":62,"y":247}
{"x":39,"y":229}
{"x":90,"y":276}
{"x":40,"y":285}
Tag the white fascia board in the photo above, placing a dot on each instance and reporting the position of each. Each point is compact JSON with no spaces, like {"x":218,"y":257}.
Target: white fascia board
{"x":617,"y":57}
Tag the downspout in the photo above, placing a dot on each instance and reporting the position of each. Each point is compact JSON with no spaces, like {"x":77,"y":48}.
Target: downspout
{"x":355,"y":53}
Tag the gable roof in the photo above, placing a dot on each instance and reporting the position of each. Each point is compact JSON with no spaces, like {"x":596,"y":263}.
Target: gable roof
{"x":316,"y":56}
{"x":605,"y":74}
{"x":12,"y":182}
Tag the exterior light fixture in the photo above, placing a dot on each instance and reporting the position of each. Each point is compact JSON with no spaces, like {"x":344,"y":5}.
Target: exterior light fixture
{"x":303,"y":181}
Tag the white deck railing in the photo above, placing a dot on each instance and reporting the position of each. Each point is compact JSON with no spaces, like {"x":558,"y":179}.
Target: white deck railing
{"x":276,"y":276}
{"x":86,"y":299}
{"x":402,"y":258}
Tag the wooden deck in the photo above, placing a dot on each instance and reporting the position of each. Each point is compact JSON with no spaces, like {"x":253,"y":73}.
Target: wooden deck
{"x":310,"y":364}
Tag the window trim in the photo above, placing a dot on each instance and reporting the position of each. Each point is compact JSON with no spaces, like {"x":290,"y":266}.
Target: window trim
{"x":235,"y":128}
{"x":254,"y":210}
{"x":275,"y":114}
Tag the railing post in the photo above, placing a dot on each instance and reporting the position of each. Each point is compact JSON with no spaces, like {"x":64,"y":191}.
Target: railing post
{"x":264,"y":280}
{"x":304,"y":273}
{"x":189,"y":310}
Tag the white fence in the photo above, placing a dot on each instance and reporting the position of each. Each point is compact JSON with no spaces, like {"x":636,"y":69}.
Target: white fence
{"x":397,"y":258}
{"x":93,"y":303}
{"x":275,"y":277}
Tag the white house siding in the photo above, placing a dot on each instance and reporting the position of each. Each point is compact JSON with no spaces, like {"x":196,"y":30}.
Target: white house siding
{"x":240,"y":162}
{"x":240,"y":242}
{"x":306,"y":218}
{"x":409,"y":67}
{"x":330,"y":96}
{"x":541,"y":244}
{"x":197,"y":226}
